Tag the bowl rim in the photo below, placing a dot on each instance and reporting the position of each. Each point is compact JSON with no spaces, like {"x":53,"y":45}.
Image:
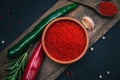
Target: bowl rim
{"x":71,"y":61}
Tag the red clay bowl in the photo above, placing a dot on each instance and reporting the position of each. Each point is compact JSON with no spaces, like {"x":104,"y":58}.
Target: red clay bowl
{"x":48,"y":41}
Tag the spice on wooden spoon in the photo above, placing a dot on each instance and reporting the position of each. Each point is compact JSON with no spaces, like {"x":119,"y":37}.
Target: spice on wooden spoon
{"x":104,"y":8}
{"x":108,"y":8}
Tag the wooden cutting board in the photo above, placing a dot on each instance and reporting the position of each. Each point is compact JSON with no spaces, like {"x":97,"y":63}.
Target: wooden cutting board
{"x":51,"y":70}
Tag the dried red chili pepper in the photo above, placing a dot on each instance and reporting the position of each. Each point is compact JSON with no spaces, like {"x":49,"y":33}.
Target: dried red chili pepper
{"x":108,"y":8}
{"x":34,"y":64}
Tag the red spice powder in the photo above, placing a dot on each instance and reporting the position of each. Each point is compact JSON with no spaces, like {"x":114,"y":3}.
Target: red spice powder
{"x":1,"y":17}
{"x":19,"y":22}
{"x":68,"y":73}
{"x":65,"y":40}
{"x":108,"y":8}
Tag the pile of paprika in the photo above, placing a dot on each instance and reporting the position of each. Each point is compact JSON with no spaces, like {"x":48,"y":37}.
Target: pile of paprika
{"x":65,"y":40}
{"x":108,"y":8}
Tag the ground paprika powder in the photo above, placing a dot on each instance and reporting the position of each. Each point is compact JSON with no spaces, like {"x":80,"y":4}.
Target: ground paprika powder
{"x":108,"y":8}
{"x":65,"y":40}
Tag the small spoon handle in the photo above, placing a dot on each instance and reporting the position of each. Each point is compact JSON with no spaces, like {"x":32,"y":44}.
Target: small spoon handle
{"x":89,"y":3}
{"x":92,"y":4}
{"x":95,"y":4}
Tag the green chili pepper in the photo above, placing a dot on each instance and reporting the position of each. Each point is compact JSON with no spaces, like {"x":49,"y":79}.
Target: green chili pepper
{"x":21,"y":46}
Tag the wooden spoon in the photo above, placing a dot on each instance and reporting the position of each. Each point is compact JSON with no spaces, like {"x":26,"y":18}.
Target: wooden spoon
{"x":95,"y":5}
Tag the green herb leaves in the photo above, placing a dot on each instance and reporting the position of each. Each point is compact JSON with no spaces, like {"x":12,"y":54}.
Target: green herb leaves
{"x":16,"y":67}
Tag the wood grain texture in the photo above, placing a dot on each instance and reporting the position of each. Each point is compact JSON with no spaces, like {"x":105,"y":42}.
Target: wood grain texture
{"x":51,"y":70}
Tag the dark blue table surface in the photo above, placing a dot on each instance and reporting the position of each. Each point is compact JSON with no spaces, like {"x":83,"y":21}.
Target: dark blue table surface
{"x":101,"y":61}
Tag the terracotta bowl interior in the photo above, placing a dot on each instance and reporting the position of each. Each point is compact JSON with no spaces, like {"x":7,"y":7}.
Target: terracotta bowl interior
{"x":71,"y":61}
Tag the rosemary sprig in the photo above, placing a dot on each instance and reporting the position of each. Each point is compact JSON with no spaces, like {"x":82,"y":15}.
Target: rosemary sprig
{"x":17,"y":66}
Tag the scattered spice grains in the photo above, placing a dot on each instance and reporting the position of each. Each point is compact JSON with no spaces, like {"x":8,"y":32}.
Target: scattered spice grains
{"x":20,"y":22}
{"x":103,"y":37}
{"x":100,"y":76}
{"x":69,"y":73}
{"x":108,"y":72}
{"x":65,"y":40}
{"x":9,"y":11}
{"x":92,"y":49}
{"x":1,"y":17}
{"x":7,"y":28}
{"x":2,"y":41}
